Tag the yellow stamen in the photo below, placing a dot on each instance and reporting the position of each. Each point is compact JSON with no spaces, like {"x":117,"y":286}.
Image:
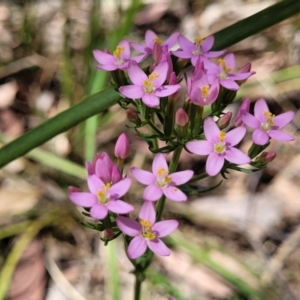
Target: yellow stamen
{"x":270,"y":121}
{"x":149,"y":235}
{"x":146,"y":230}
{"x":157,"y":40}
{"x":119,"y":50}
{"x":162,"y":172}
{"x":153,"y":76}
{"x":205,"y":91}
{"x":222,"y":135}
{"x":198,"y":40}
{"x":222,"y":62}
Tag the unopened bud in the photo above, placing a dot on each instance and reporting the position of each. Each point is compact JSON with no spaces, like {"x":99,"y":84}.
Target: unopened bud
{"x":245,"y":106}
{"x":266,"y":157}
{"x":245,"y":69}
{"x":156,"y":53}
{"x":122,"y":148}
{"x":108,"y":234}
{"x":133,"y":117}
{"x":224,"y":121}
{"x":181,"y":117}
{"x":172,"y":81}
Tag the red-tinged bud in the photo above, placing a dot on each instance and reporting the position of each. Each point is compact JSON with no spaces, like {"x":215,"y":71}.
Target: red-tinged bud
{"x":122,"y":148}
{"x":108,"y":234}
{"x":173,"y":80}
{"x":157,"y":52}
{"x":133,"y":117}
{"x":224,"y":121}
{"x":245,"y":106}
{"x":73,"y":189}
{"x":116,"y":175}
{"x":245,"y":69}
{"x":181,"y":117}
{"x":265,"y":157}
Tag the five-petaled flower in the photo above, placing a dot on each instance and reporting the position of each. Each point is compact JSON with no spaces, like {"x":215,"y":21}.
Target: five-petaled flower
{"x":148,"y":88}
{"x":266,"y":125}
{"x":219,"y":146}
{"x":160,"y":181}
{"x":103,"y":197}
{"x":145,"y":232}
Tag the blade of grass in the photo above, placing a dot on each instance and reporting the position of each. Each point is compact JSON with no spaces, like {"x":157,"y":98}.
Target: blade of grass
{"x":255,"y":23}
{"x":91,"y":107}
{"x":23,"y":241}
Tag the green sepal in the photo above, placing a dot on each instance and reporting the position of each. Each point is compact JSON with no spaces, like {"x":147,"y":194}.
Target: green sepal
{"x":256,"y":149}
{"x":190,"y":191}
{"x":166,"y":149}
{"x":98,"y":227}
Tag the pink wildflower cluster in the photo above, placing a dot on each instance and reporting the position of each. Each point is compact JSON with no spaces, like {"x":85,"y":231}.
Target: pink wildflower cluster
{"x":151,"y":95}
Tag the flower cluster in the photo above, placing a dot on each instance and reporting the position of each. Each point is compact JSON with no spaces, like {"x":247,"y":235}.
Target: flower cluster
{"x":198,"y":124}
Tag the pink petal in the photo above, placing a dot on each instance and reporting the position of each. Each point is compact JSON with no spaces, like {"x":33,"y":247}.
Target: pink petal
{"x":162,"y":70}
{"x":211,"y":130}
{"x":283,"y":119}
{"x":99,"y":211}
{"x":150,"y":100}
{"x":139,"y":58}
{"x":143,"y":176}
{"x":148,"y":212}
{"x":120,"y":188}
{"x":236,"y":156}
{"x":213,"y":54}
{"x":132,"y":91}
{"x":137,"y":247}
{"x":159,"y":162}
{"x":126,"y":53}
{"x":230,"y":60}
{"x":103,"y":57}
{"x":94,"y":184}
{"x":214,"y":164}
{"x":260,"y":137}
{"x":185,"y":44}
{"x":90,"y":168}
{"x":149,"y":37}
{"x":167,"y":90}
{"x":200,"y":147}
{"x":240,"y":76}
{"x":175,"y":194}
{"x":83,"y":199}
{"x":158,"y":247}
{"x":182,"y":54}
{"x":171,"y":40}
{"x":164,"y":228}
{"x":230,"y":84}
{"x":129,"y":226}
{"x":139,"y":47}
{"x":108,"y":67}
{"x":181,"y":177}
{"x":250,"y":120}
{"x":136,"y":74}
{"x":152,"y":192}
{"x":208,"y":43}
{"x":235,"y":136}
{"x":103,"y":172}
{"x":259,"y":108}
{"x":119,"y":207}
{"x":280,"y":136}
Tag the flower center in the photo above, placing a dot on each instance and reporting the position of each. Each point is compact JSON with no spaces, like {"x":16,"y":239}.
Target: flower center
{"x":220,"y":146}
{"x":197,"y":50}
{"x":147,"y":233}
{"x":148,"y":83}
{"x":117,"y":53}
{"x":205,"y":92}
{"x":223,"y":75}
{"x":157,"y":40}
{"x":269,"y":121}
{"x":103,"y":198}
{"x":162,"y":179}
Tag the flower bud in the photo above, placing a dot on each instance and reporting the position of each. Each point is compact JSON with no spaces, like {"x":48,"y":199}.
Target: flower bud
{"x":245,"y":106}
{"x":122,"y":147}
{"x":173,"y":80}
{"x":224,"y":121}
{"x":133,"y":117}
{"x":181,"y":117}
{"x":265,"y":158}
{"x":157,"y":52}
{"x":108,"y":234}
{"x":245,"y":69}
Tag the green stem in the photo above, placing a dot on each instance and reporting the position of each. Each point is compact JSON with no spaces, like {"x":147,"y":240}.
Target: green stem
{"x":152,"y":121}
{"x":137,"y":286}
{"x":255,"y":23}
{"x":198,"y":177}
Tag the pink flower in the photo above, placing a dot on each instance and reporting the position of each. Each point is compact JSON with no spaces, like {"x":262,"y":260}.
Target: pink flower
{"x":151,"y":39}
{"x":225,"y":72}
{"x":201,"y":92}
{"x":102,"y":197}
{"x":103,"y":167}
{"x":194,"y":51}
{"x":148,"y":88}
{"x":146,"y":233}
{"x":245,"y":106}
{"x":181,"y":117}
{"x":160,"y":181}
{"x":122,"y":147}
{"x":266,"y":125}
{"x":118,"y":60}
{"x":219,"y":146}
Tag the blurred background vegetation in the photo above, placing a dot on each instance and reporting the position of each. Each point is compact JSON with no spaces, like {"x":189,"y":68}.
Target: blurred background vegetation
{"x":240,"y":241}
